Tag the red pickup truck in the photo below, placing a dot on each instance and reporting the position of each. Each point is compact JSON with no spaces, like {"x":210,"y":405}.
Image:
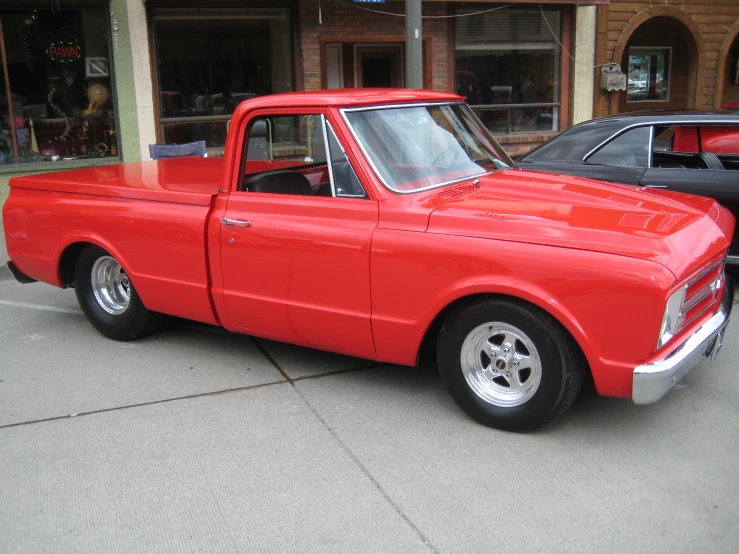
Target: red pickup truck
{"x":372,"y":222}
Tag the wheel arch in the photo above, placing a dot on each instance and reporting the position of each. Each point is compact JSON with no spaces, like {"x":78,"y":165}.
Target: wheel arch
{"x":69,"y":254}
{"x":555,"y":310}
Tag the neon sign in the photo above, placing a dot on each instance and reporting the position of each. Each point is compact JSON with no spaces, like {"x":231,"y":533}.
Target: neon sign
{"x":64,"y":51}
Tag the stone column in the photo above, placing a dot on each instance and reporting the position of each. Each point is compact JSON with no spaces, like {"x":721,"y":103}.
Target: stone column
{"x":413,"y":45}
{"x":582,"y":98}
{"x":133,"y":79}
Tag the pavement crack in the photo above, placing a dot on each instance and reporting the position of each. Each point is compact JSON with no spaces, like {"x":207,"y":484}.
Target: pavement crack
{"x":352,"y":456}
{"x":267,"y":355}
{"x":375,"y":483}
{"x":335,"y":372}
{"x":285,"y":379}
{"x":141,"y":404}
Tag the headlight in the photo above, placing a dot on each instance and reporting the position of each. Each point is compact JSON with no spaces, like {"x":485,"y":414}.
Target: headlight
{"x":672,"y":318}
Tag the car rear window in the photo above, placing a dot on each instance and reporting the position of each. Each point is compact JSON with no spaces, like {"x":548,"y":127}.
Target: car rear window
{"x":572,"y":145}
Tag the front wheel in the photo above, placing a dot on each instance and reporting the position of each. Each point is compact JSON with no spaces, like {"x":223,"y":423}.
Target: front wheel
{"x":509,"y":365}
{"x":108,"y":298}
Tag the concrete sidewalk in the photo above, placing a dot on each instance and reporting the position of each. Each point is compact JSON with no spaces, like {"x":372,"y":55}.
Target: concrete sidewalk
{"x":199,"y":440}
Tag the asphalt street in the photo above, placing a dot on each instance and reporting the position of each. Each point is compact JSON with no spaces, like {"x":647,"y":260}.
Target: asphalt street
{"x":195,"y":439}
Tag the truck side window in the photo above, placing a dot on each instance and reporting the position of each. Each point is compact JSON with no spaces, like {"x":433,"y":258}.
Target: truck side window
{"x":346,"y":183}
{"x":285,"y":154}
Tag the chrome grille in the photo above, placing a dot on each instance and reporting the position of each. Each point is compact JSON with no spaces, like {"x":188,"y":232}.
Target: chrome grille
{"x":701,"y":294}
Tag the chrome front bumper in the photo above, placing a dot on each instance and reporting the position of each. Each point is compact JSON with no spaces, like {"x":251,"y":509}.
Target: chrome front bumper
{"x":652,"y":381}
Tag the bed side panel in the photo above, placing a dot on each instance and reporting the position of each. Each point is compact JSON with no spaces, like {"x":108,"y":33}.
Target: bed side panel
{"x":160,"y":245}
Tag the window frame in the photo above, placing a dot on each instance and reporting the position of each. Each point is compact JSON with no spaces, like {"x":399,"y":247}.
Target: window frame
{"x":329,"y":161}
{"x":611,"y":140}
{"x":161,"y":10}
{"x":376,"y":171}
{"x":618,"y":135}
{"x":669,"y":72}
{"x":653,"y":124}
{"x":324,"y":122}
{"x":564,"y":75}
{"x":65,"y":162}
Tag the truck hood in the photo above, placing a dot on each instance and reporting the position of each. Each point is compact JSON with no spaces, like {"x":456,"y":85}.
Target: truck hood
{"x":681,"y":232}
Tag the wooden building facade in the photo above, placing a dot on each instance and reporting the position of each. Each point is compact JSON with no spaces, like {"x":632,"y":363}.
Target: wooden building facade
{"x":675,"y":56}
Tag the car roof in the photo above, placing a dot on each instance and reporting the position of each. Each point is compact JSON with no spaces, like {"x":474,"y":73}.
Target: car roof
{"x":576,"y":142}
{"x":350,"y":98}
{"x":676,"y":116}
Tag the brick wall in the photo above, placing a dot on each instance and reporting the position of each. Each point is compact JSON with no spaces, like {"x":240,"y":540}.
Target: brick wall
{"x":516,"y":145}
{"x":346,"y":20}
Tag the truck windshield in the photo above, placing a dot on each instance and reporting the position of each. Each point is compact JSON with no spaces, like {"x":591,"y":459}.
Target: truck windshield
{"x":414,"y":148}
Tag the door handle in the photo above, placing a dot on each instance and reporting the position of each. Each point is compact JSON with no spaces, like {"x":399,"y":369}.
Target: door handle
{"x":235,"y":222}
{"x":655,"y":186}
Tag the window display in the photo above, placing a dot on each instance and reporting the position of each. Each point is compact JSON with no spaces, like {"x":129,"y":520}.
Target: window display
{"x":508,"y":66}
{"x":60,"y":93}
{"x":209,"y":62}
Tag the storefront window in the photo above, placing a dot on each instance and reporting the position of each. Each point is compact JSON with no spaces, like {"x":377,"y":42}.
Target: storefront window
{"x":209,"y":62}
{"x":60,"y":85}
{"x":649,"y":75}
{"x":507,"y":65}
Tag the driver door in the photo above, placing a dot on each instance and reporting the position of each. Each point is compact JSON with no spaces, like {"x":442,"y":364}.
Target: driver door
{"x":295,"y":239}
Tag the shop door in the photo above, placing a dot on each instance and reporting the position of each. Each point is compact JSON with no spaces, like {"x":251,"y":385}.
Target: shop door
{"x":378,"y":66}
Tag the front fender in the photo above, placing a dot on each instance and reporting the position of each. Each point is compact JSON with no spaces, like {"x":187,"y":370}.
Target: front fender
{"x":612,"y":305}
{"x":514,"y":287}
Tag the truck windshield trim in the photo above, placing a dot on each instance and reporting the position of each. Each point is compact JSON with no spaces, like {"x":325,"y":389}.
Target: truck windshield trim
{"x":421,"y":142}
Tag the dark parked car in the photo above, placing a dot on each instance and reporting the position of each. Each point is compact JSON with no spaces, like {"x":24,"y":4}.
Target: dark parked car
{"x":691,"y":152}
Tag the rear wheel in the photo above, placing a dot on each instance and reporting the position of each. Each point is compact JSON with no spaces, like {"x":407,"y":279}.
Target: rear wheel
{"x":109,"y":299}
{"x":509,"y":365}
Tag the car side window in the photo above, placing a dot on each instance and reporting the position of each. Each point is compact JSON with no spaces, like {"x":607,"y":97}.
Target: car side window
{"x":713,"y":147}
{"x":345,"y":180}
{"x":630,"y":149}
{"x":674,"y":147}
{"x":285,"y":154}
{"x":664,"y":139}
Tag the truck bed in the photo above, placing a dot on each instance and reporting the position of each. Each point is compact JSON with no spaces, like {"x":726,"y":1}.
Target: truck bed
{"x":177,"y":180}
{"x":151,"y":216}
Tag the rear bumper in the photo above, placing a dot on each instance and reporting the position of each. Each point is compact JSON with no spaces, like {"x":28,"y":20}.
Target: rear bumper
{"x":652,"y":381}
{"x":19,"y":276}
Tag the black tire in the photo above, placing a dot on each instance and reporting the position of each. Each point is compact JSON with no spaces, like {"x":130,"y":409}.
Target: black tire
{"x":562,"y":366}
{"x":136,"y":321}
{"x":710,"y":160}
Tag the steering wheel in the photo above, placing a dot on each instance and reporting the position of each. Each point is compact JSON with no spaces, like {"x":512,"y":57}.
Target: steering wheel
{"x":444,"y":154}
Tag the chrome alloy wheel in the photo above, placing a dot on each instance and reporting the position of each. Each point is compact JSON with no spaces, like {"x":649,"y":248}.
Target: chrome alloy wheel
{"x":111,"y":285}
{"x":501,"y":364}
